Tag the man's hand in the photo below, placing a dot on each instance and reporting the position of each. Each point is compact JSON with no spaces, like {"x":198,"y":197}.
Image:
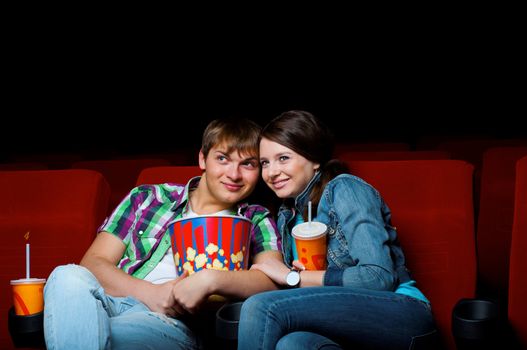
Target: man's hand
{"x":159,"y":297}
{"x":194,"y":290}
{"x":274,"y":269}
{"x":190,"y":293}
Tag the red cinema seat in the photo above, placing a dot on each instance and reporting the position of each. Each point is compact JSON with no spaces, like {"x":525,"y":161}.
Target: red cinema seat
{"x":432,"y":208}
{"x":162,"y":174}
{"x":472,"y":150}
{"x":121,"y":174}
{"x":393,"y":155}
{"x":494,"y":229}
{"x":517,"y":311}
{"x":61,"y":210}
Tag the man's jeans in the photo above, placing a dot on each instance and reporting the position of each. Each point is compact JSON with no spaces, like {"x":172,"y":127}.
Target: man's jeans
{"x":333,"y":318}
{"x":79,"y":315}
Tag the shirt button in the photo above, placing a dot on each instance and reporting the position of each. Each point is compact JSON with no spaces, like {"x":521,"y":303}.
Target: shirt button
{"x":140,"y":232}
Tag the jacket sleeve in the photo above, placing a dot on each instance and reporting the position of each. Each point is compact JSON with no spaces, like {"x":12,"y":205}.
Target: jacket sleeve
{"x":356,"y":207}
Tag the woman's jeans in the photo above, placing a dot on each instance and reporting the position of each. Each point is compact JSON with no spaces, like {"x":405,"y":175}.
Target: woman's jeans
{"x":333,"y":318}
{"x":79,"y":315}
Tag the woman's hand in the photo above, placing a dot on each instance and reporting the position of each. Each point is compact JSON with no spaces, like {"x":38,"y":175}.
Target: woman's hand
{"x":298,"y":265}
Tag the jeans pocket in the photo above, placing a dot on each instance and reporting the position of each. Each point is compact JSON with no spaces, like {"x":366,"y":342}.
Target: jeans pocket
{"x":126,"y":304}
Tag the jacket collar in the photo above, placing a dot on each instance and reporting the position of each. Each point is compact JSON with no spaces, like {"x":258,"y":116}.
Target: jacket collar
{"x":302,"y":199}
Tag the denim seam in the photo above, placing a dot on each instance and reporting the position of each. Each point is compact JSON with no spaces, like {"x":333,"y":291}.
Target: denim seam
{"x":329,"y":294}
{"x":49,"y":319}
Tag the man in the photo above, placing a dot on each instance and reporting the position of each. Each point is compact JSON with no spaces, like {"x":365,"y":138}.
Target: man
{"x":125,"y":294}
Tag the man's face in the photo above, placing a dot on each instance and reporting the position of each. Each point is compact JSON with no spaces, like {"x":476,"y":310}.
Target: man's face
{"x":230,"y":177}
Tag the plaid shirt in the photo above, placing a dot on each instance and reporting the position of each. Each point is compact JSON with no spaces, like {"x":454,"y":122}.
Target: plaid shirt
{"x":141,"y":222}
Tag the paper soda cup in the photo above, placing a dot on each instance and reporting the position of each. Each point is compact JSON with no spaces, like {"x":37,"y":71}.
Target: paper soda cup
{"x":211,"y":242}
{"x":28,"y":295}
{"x":311,"y":245}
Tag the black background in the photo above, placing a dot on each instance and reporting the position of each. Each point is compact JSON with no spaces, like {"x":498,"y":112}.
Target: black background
{"x":78,"y":93}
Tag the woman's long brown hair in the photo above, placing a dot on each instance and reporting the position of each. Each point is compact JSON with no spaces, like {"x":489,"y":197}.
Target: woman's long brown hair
{"x":306,"y":135}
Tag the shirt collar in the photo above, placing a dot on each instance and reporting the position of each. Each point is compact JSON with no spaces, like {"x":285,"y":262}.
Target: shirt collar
{"x":192,"y":185}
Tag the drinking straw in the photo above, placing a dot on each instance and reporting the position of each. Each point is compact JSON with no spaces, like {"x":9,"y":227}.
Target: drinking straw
{"x":309,"y":212}
{"x":27,"y":260}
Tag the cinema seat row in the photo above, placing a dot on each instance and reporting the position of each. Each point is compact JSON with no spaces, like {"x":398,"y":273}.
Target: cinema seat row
{"x":431,"y":201}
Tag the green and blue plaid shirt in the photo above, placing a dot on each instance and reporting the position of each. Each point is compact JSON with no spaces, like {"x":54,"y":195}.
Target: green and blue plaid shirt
{"x":141,"y":222}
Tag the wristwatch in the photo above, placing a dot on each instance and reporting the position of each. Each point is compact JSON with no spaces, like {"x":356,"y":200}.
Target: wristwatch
{"x":293,"y":278}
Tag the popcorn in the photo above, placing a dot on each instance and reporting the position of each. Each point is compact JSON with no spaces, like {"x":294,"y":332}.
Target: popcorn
{"x":200,"y":261}
{"x":212,"y":248}
{"x":188,"y":267}
{"x":216,"y":264}
{"x":238,"y":257}
{"x":210,"y":242}
{"x":191,"y":254}
{"x":177,"y":259}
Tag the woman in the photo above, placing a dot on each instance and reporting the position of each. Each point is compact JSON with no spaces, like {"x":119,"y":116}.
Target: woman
{"x":368,"y":299}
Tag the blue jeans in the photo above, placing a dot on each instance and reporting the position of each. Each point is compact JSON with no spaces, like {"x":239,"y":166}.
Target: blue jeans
{"x":79,"y":315}
{"x":333,"y":318}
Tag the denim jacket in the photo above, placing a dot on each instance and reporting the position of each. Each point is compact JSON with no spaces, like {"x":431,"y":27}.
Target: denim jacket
{"x":363,"y":249}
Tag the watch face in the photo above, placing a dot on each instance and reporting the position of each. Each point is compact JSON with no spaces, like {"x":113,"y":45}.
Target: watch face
{"x":293,"y":278}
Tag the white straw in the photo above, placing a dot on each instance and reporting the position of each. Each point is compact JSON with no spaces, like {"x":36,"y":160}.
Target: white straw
{"x":309,"y":212}
{"x":27,"y":260}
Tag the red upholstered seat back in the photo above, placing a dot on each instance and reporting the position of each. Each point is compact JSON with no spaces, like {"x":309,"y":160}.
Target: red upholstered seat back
{"x":61,"y":210}
{"x":471,"y":150}
{"x":518,"y":260}
{"x":432,"y":208}
{"x":162,"y":174}
{"x":496,"y":207}
{"x":121,"y":174}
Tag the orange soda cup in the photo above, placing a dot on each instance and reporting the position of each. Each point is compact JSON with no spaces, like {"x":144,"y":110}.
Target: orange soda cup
{"x":311,"y":244}
{"x":28,"y":295}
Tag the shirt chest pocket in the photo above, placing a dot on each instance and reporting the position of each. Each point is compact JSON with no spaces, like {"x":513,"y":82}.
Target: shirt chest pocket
{"x":145,"y":243}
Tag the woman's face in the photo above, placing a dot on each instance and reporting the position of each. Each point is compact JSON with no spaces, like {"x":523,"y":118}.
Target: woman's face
{"x":286,"y":172}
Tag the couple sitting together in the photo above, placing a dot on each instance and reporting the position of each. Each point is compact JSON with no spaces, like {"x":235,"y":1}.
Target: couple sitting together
{"x":126,"y":293}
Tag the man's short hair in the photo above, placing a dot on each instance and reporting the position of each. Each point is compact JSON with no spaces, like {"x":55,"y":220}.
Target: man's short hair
{"x":234,"y":134}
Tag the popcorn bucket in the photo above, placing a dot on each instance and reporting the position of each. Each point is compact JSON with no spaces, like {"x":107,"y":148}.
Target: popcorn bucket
{"x":210,"y":242}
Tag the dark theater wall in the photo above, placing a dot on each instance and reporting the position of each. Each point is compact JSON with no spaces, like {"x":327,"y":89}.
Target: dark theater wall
{"x":138,"y":118}
{"x":101,"y":105}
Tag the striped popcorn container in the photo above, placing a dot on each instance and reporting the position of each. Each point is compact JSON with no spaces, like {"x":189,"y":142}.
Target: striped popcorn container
{"x":210,"y":242}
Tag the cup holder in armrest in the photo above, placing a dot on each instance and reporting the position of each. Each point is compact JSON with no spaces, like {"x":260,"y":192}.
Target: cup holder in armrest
{"x":475,"y":323}
{"x":26,"y":331}
{"x":227,"y":319}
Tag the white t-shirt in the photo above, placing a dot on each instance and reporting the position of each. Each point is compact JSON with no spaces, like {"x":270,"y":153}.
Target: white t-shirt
{"x":166,"y":269}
